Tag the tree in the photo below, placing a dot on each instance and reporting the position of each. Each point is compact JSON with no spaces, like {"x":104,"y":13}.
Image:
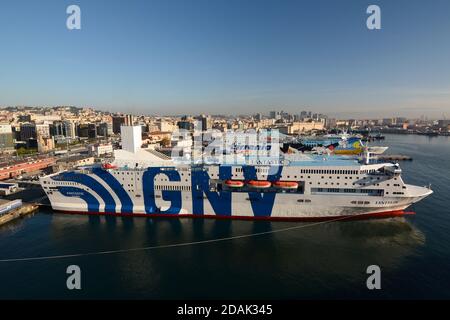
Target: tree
{"x":165,"y":142}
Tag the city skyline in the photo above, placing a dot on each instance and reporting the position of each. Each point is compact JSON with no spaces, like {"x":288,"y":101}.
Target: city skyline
{"x":226,"y":57}
{"x":267,"y":114}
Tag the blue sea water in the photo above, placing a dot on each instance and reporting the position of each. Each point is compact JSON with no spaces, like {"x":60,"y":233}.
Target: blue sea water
{"x":315,"y":261}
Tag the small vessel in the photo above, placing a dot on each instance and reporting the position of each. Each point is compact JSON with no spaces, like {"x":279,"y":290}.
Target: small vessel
{"x":234,"y":183}
{"x":259,"y":184}
{"x":108,"y":166}
{"x":341,"y":145}
{"x":377,"y":149}
{"x":286,"y":185}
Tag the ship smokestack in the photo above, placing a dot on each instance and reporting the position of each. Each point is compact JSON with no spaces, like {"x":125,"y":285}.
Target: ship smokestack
{"x":131,"y":138}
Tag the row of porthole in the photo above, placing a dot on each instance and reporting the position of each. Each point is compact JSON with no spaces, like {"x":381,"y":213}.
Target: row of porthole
{"x":360,"y":202}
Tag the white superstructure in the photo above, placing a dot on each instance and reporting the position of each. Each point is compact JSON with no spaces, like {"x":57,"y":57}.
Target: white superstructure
{"x":142,"y":182}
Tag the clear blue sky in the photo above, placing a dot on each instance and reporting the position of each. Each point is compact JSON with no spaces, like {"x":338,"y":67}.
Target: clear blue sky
{"x":228,"y":56}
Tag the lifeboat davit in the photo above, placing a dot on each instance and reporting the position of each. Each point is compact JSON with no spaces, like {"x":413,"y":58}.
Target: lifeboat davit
{"x":286,"y":184}
{"x":234,"y":183}
{"x":108,"y":166}
{"x":259,"y":184}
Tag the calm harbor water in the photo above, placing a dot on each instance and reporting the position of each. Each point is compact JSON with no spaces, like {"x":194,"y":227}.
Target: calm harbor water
{"x":317,"y":261}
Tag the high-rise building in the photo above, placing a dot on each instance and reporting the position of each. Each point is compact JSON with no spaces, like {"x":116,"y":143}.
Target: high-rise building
{"x":27,"y":131}
{"x":119,"y":120}
{"x":63,"y":128}
{"x":275,"y":115}
{"x":102,"y":129}
{"x":6,"y":137}
{"x":87,"y":130}
{"x":185,"y":124}
{"x":304,"y":114}
{"x":42,"y":130}
{"x":92,"y":131}
{"x":206,"y":122}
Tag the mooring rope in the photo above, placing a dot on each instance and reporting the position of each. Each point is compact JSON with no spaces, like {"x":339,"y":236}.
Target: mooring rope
{"x":175,"y":245}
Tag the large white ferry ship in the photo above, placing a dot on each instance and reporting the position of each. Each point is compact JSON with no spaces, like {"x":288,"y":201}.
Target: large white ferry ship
{"x":146,"y":183}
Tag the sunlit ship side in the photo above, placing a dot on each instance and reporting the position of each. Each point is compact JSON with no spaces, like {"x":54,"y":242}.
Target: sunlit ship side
{"x":146,"y":183}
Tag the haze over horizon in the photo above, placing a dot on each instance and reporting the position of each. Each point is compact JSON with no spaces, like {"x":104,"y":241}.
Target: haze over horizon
{"x":229,"y":57}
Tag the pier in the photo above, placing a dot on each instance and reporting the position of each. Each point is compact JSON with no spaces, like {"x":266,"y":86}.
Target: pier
{"x":394,"y":157}
{"x":17,"y":213}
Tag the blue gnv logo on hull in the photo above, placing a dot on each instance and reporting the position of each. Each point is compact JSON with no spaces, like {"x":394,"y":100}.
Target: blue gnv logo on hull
{"x":220,"y":201}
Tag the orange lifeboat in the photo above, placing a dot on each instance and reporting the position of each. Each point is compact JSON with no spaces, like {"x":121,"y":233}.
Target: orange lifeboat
{"x":234,"y":183}
{"x":259,"y":184}
{"x":286,"y":184}
{"x":108,"y":166}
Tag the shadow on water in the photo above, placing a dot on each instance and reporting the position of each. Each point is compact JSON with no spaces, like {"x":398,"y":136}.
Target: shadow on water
{"x":315,"y":260}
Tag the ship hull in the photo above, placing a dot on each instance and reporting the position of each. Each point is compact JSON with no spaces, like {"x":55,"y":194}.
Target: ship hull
{"x":284,"y":207}
{"x":362,"y":216}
